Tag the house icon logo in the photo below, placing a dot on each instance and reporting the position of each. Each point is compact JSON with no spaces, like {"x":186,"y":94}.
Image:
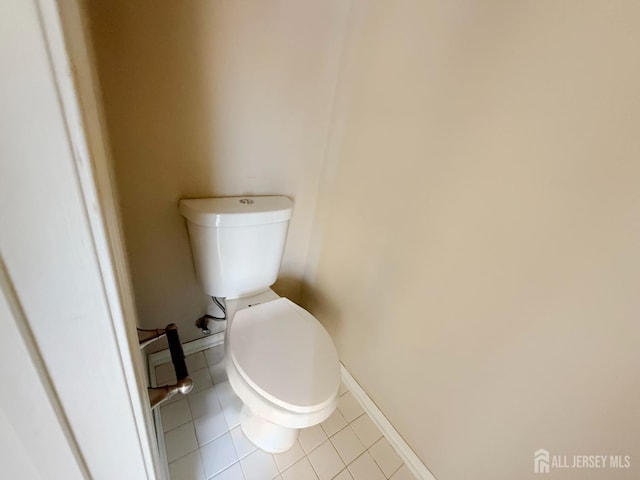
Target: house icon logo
{"x":541,"y":461}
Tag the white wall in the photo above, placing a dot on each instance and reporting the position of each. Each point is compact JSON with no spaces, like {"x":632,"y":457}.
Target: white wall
{"x":205,"y":99}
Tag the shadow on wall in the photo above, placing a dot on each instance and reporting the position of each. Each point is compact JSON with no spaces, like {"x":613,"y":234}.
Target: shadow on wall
{"x":324,"y":309}
{"x":156,"y":97}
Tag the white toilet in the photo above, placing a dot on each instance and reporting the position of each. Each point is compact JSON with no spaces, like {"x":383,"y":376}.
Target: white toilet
{"x":279,"y":359}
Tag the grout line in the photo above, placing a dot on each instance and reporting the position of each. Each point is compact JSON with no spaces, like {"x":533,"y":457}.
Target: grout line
{"x":182,"y":456}
{"x":395,"y":471}
{"x":376,"y":461}
{"x":189,"y":348}
{"x":227,"y":468}
{"x":311,"y":463}
{"x":200,"y":461}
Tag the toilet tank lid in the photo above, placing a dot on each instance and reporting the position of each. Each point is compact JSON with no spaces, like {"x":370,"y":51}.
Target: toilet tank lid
{"x":236,"y":211}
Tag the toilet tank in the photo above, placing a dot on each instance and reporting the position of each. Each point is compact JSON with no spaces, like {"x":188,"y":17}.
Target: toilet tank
{"x":237,"y":242}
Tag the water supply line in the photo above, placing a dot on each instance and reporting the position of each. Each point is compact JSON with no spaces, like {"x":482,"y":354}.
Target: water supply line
{"x":203,"y":322}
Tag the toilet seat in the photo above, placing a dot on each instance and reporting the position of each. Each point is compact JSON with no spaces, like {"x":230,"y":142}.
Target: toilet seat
{"x":285,"y":355}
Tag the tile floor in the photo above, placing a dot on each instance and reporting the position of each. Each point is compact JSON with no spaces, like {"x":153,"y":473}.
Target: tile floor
{"x":204,"y":440}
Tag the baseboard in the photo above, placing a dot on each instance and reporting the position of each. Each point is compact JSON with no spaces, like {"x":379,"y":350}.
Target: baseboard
{"x":194,"y":346}
{"x":401,"y":447}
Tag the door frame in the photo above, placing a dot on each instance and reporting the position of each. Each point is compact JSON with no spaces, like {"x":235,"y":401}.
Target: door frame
{"x":65,"y":28}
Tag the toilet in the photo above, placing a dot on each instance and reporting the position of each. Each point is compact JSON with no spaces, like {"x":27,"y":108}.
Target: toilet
{"x":279,"y":359}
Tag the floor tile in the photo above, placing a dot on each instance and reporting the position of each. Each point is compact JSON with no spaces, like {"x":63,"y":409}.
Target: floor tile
{"x":204,"y":403}
{"x":225,"y":393}
{"x":218,"y":455}
{"x":180,"y":441}
{"x":210,"y":427}
{"x":259,"y":466}
{"x":343,"y":388}
{"x":218,"y":373}
{"x":175,"y":414}
{"x":325,"y":461}
{"x":334,"y":423}
{"x":234,"y":472}
{"x":214,"y":355}
{"x":311,"y":437}
{"x":364,"y":468}
{"x":301,"y":470}
{"x":165,"y":374}
{"x":286,"y":459}
{"x":232,"y":412}
{"x":366,"y":430}
{"x":403,"y":473}
{"x":188,"y":467}
{"x":320,"y":453}
{"x":349,"y":407}
{"x":243,"y":445}
{"x":343,"y":475}
{"x":195,"y":362}
{"x":201,"y":379}
{"x":347,"y":444}
{"x":385,"y":456}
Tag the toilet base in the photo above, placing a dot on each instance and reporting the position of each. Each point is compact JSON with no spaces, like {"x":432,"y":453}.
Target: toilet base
{"x":266,"y":435}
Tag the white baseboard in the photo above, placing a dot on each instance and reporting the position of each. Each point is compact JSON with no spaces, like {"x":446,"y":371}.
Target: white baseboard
{"x":408,"y":456}
{"x":401,"y":447}
{"x":163,"y":356}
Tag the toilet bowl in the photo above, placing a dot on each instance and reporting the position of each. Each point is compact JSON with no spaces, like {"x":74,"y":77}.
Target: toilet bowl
{"x":279,"y":359}
{"x":284,"y":367}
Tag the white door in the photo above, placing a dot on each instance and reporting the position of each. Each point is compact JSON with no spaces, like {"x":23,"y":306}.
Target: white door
{"x":73,"y":401}
{"x":35,"y":439}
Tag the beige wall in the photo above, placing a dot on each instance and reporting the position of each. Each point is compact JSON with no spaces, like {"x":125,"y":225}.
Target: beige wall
{"x":477,"y":252}
{"x":212,"y":98}
{"x":475,"y":247}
